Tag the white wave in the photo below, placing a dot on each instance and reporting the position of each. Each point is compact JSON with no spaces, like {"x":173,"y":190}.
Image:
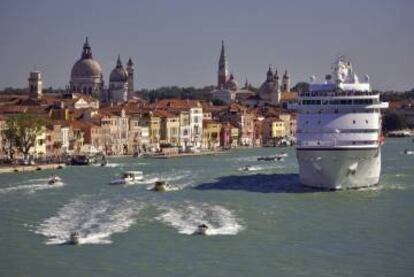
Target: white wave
{"x":94,"y":220}
{"x":186,"y":219}
{"x":113,"y":165}
{"x":39,"y":184}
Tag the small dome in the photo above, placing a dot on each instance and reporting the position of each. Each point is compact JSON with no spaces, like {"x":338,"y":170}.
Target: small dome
{"x":266,"y":90}
{"x":85,"y":68}
{"x":118,"y":74}
{"x":231,"y":84}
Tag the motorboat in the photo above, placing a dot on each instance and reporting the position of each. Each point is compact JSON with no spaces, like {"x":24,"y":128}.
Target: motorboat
{"x":53,"y":180}
{"x":409,"y":151}
{"x":162,"y":186}
{"x":201,"y":230}
{"x":247,"y":168}
{"x":74,"y":238}
{"x":128,"y":177}
{"x":278,"y":157}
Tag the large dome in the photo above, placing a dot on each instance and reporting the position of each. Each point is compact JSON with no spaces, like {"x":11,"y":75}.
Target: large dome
{"x":85,"y":68}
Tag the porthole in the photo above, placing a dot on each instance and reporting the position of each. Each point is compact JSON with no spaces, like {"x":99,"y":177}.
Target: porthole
{"x":353,"y":121}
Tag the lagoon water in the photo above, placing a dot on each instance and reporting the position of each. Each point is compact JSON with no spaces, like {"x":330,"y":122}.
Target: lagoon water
{"x":262,"y":222}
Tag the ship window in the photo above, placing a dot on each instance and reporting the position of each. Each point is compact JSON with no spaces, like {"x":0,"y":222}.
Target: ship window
{"x":306,"y":122}
{"x":319,"y":143}
{"x":336,"y":110}
{"x":353,"y":121}
{"x":353,"y":142}
{"x":324,"y":102}
{"x":366,"y":121}
{"x":319,"y":122}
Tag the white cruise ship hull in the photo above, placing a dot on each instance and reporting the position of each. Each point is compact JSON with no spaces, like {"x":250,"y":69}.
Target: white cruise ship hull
{"x":337,"y":169}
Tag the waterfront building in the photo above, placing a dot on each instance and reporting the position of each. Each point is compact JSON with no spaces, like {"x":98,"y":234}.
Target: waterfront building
{"x":86,"y":75}
{"x":211,"y":134}
{"x":169,"y":127}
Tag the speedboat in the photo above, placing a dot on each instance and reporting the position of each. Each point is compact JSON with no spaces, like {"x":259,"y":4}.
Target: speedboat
{"x":201,"y":230}
{"x":54,"y":179}
{"x":74,"y":238}
{"x":247,"y":168}
{"x":128,"y":177}
{"x":409,"y":152}
{"x":278,"y":157}
{"x":161,"y":186}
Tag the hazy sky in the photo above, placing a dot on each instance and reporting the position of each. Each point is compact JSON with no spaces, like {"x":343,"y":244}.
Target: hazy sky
{"x":178,"y":42}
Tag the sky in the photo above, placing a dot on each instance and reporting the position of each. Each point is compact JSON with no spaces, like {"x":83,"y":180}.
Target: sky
{"x":178,"y":42}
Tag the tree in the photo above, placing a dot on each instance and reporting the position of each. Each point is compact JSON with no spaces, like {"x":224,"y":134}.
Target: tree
{"x":22,"y":130}
{"x":393,"y":121}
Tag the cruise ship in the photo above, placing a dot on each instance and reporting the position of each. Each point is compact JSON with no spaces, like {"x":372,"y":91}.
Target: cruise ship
{"x":339,"y":131}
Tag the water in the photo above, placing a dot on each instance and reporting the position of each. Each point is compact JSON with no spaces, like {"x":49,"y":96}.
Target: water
{"x":262,"y":221}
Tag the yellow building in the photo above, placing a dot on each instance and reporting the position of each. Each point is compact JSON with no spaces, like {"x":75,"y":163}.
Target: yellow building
{"x":278,"y":129}
{"x":169,"y":128}
{"x":39,"y":148}
{"x":211,"y":134}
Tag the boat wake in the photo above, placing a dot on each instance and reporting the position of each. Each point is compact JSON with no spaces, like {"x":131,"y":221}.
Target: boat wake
{"x":174,"y":179}
{"x":36,"y":184}
{"x":94,"y":220}
{"x":259,"y":167}
{"x":185,"y":219}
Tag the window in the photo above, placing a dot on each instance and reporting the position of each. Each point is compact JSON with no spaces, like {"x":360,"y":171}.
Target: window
{"x":353,"y":121}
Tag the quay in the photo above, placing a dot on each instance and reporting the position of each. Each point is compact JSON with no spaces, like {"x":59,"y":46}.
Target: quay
{"x":27,"y":168}
{"x":181,"y":155}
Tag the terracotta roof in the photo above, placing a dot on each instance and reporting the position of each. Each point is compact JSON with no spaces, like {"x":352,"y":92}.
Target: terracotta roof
{"x":178,"y":103}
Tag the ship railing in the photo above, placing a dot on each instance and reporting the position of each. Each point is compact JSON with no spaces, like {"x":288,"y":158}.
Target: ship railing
{"x":338,"y":93}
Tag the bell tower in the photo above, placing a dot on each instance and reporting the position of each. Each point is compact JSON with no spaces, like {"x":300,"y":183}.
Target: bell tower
{"x":222,"y":69}
{"x":130,"y":69}
{"x":35,"y":84}
{"x":286,"y":82}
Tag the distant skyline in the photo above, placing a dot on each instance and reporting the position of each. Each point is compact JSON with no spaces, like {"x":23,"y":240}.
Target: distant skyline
{"x":178,"y":42}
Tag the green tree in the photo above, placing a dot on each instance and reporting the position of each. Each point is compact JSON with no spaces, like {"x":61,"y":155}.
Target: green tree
{"x":393,"y":121}
{"x":21,"y":132}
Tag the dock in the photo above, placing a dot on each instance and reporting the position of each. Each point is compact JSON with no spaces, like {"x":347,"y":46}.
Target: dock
{"x":181,"y":155}
{"x":28,"y":168}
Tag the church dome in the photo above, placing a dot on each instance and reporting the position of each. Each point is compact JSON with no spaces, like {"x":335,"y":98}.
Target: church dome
{"x":266,"y":90}
{"x":231,"y":84}
{"x":85,"y":68}
{"x":118,"y":74}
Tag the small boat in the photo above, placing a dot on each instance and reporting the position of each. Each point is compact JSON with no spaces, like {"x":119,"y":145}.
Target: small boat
{"x":128,"y":177}
{"x":201,"y":230}
{"x":53,"y":180}
{"x":247,"y":168}
{"x":161,"y":186}
{"x":278,"y":157}
{"x":409,"y":152}
{"x":74,"y":238}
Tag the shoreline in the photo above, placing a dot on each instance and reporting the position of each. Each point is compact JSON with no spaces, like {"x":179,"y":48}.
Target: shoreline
{"x":29,"y":168}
